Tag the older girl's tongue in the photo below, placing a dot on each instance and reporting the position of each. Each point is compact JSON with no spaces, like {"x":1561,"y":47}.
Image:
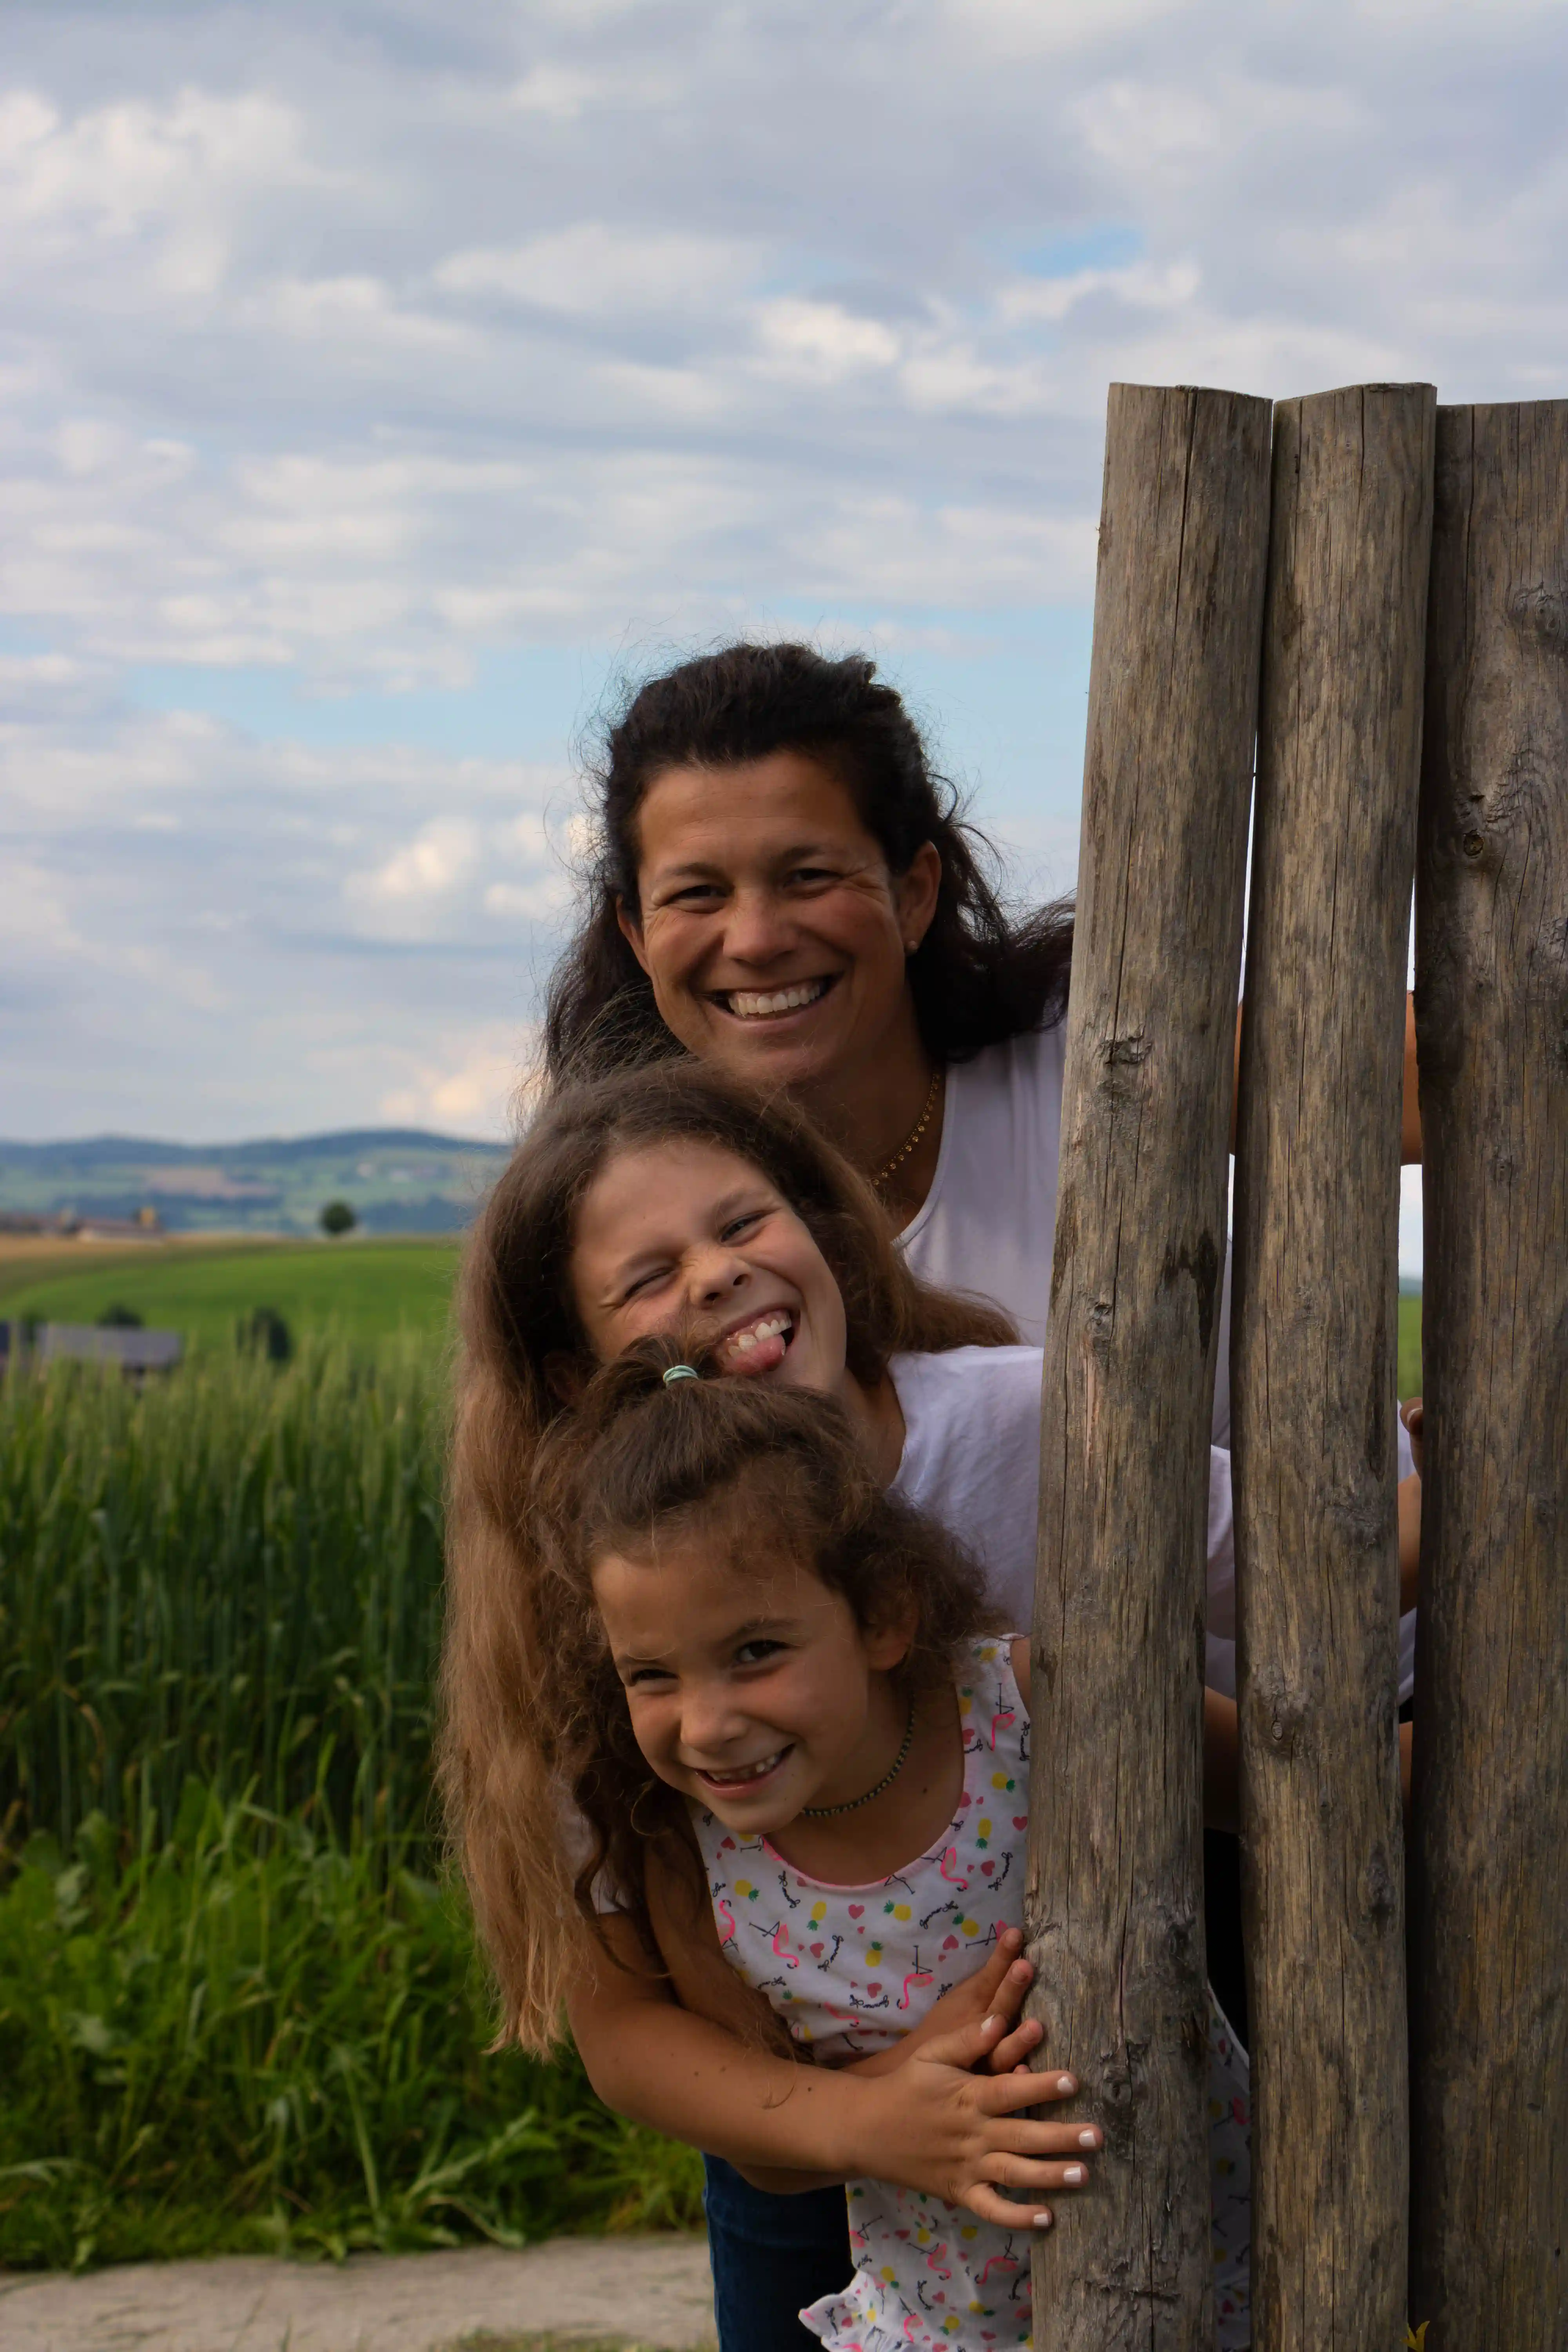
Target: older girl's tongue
{"x":758,"y":1347}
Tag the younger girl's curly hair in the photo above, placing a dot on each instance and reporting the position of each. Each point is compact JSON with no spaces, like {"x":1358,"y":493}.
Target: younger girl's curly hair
{"x":640,"y":1460}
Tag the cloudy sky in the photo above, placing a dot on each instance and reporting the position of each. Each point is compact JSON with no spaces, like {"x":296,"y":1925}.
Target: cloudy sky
{"x":382,"y":382}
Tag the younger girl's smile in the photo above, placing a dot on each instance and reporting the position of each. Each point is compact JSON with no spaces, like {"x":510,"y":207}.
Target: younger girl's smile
{"x":750,"y":1685}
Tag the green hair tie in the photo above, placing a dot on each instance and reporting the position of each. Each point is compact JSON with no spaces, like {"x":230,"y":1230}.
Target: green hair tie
{"x":680,"y":1372}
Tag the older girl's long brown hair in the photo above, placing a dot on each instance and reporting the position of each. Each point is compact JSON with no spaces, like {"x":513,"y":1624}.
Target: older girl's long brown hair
{"x":522,"y":1352}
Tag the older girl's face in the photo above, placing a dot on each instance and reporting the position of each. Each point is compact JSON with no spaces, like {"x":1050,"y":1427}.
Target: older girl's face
{"x":683,"y":1236}
{"x":773,"y":934}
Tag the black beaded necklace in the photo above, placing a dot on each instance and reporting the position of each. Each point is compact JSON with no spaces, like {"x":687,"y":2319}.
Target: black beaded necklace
{"x":853,"y":1804}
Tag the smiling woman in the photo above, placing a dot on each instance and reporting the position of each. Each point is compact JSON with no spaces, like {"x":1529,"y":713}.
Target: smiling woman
{"x":785,"y":889}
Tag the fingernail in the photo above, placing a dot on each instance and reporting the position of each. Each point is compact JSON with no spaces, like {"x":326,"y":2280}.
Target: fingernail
{"x":1074,"y":2173}
{"x":1042,"y":2220}
{"x":1067,"y":2084}
{"x":988,"y":2023}
{"x":1087,"y":2139}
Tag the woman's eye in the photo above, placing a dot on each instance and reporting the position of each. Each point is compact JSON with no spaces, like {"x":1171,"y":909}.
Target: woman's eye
{"x":811,"y":875}
{"x":696,"y":894}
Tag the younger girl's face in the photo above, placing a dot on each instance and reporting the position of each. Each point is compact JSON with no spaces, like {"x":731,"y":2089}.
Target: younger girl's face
{"x":682,"y":1235}
{"x":750,"y":1685}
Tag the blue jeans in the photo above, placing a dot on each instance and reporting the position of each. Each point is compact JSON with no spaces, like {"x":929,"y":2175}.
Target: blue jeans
{"x":771,"y":2256}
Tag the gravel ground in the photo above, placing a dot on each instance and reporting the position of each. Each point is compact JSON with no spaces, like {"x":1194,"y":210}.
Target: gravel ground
{"x":591,"y":2294}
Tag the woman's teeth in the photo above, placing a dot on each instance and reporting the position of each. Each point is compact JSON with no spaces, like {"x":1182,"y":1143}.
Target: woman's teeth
{"x":749,"y":1006}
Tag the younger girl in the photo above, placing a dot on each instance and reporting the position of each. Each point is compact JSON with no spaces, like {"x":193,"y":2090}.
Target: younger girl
{"x":798,"y":1746}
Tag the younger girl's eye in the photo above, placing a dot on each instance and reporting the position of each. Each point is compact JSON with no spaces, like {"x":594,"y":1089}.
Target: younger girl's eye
{"x":745,"y":1222}
{"x":755,"y":1654}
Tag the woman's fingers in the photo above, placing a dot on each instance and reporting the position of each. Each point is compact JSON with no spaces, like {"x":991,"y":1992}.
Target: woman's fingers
{"x":1412,"y":1414}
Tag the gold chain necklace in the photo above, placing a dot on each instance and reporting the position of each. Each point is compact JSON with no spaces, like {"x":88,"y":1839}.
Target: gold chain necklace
{"x":853,"y":1805}
{"x":910,"y":1141}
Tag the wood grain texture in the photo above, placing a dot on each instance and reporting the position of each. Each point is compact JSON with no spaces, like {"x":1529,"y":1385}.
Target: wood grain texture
{"x":1113,"y":1911}
{"x":1313,"y":1356}
{"x":1490,"y":1969}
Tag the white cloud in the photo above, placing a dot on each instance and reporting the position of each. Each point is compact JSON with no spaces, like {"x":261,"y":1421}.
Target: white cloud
{"x":475,"y":1085}
{"x":358,"y":346}
{"x":594,"y":269}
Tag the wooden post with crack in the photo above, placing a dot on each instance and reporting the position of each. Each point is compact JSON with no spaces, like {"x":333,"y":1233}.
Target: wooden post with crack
{"x":1489,"y":1946}
{"x":1113,"y":1910}
{"x":1314,"y":1348}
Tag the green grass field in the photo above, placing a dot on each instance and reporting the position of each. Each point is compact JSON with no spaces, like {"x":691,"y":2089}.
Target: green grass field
{"x":239,"y":2002}
{"x":367,"y":1290}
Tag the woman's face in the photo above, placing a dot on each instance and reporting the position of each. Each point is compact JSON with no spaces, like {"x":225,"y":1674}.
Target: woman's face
{"x":773,"y":934}
{"x":683,"y":1236}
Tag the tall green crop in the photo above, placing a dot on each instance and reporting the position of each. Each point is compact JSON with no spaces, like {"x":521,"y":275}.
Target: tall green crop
{"x":233,"y":1577}
{"x":236,"y":2006}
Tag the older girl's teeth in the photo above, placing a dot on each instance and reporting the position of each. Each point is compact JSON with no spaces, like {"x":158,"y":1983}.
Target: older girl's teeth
{"x":756,"y":1007}
{"x":771,"y":1327}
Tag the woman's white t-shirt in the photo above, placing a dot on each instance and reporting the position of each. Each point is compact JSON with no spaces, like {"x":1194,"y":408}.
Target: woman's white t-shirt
{"x":988,"y":1223}
{"x":971,"y":1459}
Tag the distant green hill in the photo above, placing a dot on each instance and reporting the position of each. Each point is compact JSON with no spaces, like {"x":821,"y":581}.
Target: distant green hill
{"x":397,"y":1180}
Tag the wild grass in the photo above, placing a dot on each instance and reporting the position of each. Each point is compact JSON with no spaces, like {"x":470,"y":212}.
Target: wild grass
{"x":233,"y":1577}
{"x":367,"y":1290}
{"x":238,"y":2007}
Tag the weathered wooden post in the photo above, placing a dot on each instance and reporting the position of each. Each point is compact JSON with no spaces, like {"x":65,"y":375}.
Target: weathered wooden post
{"x":1113,"y":1909}
{"x":1489,"y":1949}
{"x":1314,"y":1346}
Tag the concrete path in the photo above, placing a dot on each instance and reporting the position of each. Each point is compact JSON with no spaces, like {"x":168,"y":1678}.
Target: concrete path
{"x":643,"y":2291}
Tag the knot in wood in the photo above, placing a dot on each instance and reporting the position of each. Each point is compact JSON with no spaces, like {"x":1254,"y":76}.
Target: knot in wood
{"x":1539,"y":615}
{"x":1475,"y":845}
{"x":1379,"y":1892}
{"x":1282,"y":1716}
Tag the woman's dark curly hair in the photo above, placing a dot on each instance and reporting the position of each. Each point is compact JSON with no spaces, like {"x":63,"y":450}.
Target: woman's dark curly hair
{"x":977,"y":977}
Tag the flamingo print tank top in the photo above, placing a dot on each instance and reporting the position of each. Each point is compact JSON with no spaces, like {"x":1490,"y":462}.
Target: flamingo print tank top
{"x":852,"y":1969}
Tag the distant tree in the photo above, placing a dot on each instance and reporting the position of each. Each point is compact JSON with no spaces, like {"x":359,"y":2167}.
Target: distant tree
{"x":337,"y":1218}
{"x":263,"y":1332}
{"x":119,"y":1318}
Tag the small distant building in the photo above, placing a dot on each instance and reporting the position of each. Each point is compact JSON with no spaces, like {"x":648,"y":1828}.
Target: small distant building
{"x":146,"y":1225}
{"x":134,"y":1351}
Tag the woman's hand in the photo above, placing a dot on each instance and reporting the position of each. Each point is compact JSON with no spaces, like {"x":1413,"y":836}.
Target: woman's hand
{"x":1412,"y":1414}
